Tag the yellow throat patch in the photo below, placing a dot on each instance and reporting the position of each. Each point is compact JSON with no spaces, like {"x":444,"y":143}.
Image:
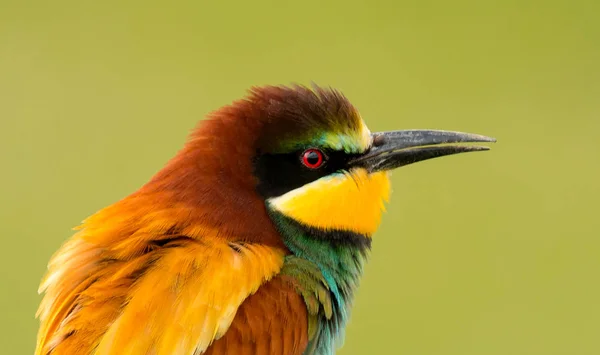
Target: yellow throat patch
{"x":350,"y":202}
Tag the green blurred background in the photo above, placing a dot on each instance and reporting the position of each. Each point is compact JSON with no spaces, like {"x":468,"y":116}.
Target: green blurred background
{"x":488,"y":253}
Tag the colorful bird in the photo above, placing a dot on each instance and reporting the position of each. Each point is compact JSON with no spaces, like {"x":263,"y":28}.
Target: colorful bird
{"x":251,"y":240}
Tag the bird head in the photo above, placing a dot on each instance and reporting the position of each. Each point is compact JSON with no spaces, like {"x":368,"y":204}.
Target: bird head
{"x":303,"y":155}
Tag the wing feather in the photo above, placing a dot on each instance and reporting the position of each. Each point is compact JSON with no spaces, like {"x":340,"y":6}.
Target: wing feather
{"x":174,"y":300}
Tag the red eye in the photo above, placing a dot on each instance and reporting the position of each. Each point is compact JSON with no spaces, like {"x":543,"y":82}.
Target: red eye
{"x":312,"y":158}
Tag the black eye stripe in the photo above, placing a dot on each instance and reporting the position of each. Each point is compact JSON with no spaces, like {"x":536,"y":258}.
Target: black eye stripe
{"x":280,"y":173}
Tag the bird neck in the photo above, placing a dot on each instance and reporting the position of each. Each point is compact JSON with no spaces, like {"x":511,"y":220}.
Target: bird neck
{"x":339,"y":257}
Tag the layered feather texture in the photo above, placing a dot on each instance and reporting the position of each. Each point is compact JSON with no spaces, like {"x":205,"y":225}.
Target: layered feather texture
{"x":155,"y":290}
{"x":326,"y":275}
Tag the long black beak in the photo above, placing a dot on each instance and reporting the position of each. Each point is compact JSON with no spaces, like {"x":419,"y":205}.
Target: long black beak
{"x":394,"y":149}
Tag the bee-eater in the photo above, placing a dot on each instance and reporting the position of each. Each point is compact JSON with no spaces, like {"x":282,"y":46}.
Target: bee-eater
{"x":251,"y":240}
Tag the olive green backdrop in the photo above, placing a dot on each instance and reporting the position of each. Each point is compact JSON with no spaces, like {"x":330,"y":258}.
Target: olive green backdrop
{"x":483,"y":253}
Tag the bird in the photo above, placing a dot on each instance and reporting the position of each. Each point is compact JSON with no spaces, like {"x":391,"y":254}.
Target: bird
{"x":252,"y":239}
